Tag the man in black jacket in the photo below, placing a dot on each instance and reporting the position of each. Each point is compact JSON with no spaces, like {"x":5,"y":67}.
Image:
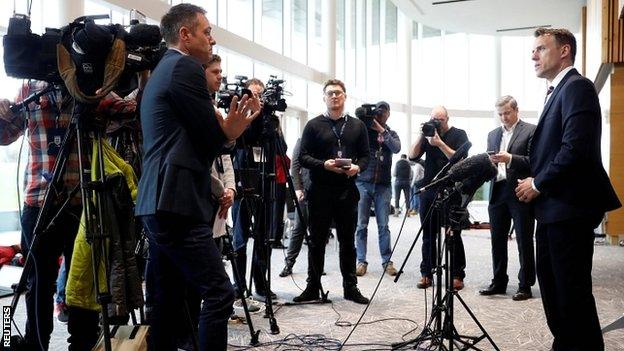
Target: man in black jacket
{"x":334,"y":146}
{"x":570,"y":190}
{"x":509,"y":146}
{"x":182,"y":135}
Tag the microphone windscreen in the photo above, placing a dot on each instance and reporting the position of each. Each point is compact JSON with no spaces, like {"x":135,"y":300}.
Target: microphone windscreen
{"x":143,"y":35}
{"x":474,"y":166}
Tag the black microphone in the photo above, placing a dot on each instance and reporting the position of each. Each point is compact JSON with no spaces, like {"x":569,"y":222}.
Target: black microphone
{"x":471,"y":173}
{"x":143,"y":35}
{"x":460,"y":153}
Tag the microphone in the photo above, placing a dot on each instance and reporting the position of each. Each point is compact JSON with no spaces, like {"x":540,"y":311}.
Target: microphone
{"x":470,"y":173}
{"x":460,"y":153}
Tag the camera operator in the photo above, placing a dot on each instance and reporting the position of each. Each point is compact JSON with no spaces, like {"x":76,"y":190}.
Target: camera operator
{"x":248,"y":156}
{"x":439,"y":146}
{"x":183,"y":135}
{"x":334,"y":146}
{"x":47,"y":123}
{"x":374,"y":185}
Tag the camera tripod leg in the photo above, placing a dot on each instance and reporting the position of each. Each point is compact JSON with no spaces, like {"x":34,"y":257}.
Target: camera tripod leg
{"x":231,"y":256}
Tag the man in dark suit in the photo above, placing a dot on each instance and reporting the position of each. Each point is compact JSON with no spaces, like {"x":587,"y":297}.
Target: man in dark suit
{"x":570,"y":190}
{"x":509,"y":145}
{"x":182,"y":136}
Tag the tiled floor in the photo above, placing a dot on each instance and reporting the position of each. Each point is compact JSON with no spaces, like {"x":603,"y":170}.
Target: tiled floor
{"x":398,"y":310}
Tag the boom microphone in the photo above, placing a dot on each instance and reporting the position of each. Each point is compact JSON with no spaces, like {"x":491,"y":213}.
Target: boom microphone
{"x":471,"y":173}
{"x":460,"y":153}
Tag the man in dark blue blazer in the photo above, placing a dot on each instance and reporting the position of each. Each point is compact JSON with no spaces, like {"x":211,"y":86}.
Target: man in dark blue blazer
{"x":509,"y":145}
{"x":182,"y":134}
{"x":570,"y":190}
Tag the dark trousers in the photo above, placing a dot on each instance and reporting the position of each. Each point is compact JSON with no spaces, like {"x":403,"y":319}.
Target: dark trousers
{"x":297,"y":235}
{"x":324,"y":205}
{"x":564,"y":264}
{"x":278,"y":211}
{"x":242,"y":212}
{"x":41,"y":280}
{"x":402,"y":186}
{"x":431,"y":226}
{"x":183,"y":253}
{"x":503,"y":207}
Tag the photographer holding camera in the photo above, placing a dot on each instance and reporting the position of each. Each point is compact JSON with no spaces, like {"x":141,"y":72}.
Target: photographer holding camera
{"x":374,"y":186}
{"x":439,"y":141}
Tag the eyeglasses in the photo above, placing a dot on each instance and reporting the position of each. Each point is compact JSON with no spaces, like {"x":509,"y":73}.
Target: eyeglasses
{"x":336,"y":93}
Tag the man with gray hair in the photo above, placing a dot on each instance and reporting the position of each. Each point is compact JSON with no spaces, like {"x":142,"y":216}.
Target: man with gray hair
{"x":508,"y":146}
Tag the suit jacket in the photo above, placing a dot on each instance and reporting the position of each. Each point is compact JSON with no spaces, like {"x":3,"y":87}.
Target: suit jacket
{"x":181,"y":138}
{"x":519,"y":149}
{"x":565,"y":156}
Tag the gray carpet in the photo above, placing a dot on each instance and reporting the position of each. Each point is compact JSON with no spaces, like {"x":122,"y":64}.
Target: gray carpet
{"x":398,"y":310}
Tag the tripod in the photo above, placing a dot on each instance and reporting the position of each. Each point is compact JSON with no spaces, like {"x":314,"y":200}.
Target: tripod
{"x":440,"y":328}
{"x":92,"y":193}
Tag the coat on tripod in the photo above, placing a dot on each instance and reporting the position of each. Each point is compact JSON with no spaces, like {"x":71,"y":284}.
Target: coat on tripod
{"x":124,"y":281}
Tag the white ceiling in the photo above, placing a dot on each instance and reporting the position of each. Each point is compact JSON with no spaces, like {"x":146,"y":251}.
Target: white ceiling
{"x":490,"y":16}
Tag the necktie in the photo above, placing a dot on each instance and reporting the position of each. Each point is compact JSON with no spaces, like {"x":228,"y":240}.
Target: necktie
{"x":548,"y":92}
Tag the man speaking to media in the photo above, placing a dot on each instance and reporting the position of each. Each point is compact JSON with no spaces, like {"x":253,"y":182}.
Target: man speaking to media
{"x":182,"y":135}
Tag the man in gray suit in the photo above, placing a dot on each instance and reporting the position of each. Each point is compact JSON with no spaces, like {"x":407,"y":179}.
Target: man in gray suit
{"x":508,"y":146}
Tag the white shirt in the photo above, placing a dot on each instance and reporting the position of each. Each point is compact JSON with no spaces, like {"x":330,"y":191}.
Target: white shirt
{"x":504,"y":145}
{"x":558,"y":80}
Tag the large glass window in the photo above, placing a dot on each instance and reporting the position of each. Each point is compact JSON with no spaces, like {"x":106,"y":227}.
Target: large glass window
{"x":391,"y":22}
{"x":482,"y":74}
{"x":455,"y":70}
{"x":240,"y":17}
{"x":299,"y":32}
{"x":271,"y":32}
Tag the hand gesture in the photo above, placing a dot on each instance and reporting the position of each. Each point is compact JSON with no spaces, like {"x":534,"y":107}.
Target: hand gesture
{"x":240,"y":116}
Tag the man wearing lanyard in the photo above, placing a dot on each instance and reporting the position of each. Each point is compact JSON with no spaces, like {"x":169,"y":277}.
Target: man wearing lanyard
{"x":334,"y":146}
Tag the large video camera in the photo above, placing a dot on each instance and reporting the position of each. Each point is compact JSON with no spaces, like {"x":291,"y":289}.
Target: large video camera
{"x":82,"y":50}
{"x":229,"y":90}
{"x":273,"y":96}
{"x":368,"y":112}
{"x":430,"y":127}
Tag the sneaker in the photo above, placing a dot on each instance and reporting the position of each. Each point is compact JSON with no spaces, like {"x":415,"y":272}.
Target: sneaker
{"x":309,"y":294}
{"x":360,"y":270}
{"x":424,"y":283}
{"x":61,"y":312}
{"x":355,"y":295}
{"x":390,"y":270}
{"x":286,"y":271}
{"x":458,"y":284}
{"x":252,"y":305}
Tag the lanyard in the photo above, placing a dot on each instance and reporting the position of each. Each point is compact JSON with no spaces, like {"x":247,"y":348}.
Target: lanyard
{"x":339,"y":136}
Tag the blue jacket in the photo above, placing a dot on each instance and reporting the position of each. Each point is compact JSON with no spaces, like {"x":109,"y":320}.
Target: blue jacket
{"x":181,"y":138}
{"x":379,"y":169}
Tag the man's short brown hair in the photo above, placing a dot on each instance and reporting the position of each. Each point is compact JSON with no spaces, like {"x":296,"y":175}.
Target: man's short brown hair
{"x":335,"y":82}
{"x":213,"y":59}
{"x":562,"y":37}
{"x":254,"y":81}
{"x":181,"y":15}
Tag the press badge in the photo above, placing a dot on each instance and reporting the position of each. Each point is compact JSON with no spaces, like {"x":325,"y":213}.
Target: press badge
{"x":55,"y":138}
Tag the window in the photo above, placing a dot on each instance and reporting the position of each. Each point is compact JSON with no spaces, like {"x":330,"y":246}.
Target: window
{"x":271,"y":29}
{"x":391,"y":22}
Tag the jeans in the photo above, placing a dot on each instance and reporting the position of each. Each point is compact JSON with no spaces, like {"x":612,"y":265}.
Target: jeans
{"x":380,"y":195}
{"x":59,"y":240}
{"x":61,"y":281}
{"x":182,"y":253}
{"x":414,"y":199}
{"x":297,"y":235}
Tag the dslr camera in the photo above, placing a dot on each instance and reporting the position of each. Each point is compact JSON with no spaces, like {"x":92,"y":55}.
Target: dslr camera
{"x":430,"y":127}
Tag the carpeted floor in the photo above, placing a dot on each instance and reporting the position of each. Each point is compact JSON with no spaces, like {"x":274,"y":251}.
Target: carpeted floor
{"x":399,"y":310}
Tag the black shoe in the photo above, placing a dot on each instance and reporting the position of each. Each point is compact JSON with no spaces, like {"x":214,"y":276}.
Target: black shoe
{"x":286,"y":271}
{"x":309,"y":294}
{"x":493,"y":290}
{"x":355,"y":295}
{"x":522,"y":294}
{"x":278,"y":245}
{"x":262,"y":293}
